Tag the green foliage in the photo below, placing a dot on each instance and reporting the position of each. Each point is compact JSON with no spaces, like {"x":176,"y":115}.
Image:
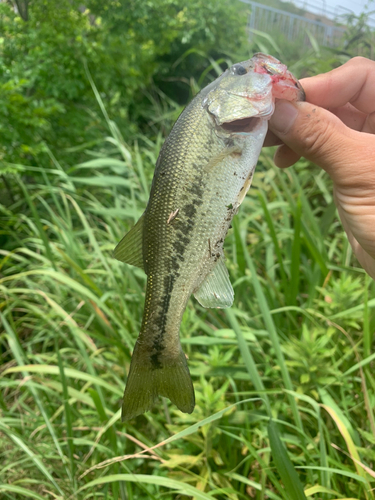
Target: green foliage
{"x":46,"y":96}
{"x":360,"y":36}
{"x":71,"y":313}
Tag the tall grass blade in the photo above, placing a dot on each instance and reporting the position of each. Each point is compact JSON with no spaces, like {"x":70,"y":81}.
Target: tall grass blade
{"x":68,"y":415}
{"x":19,"y":357}
{"x":367,"y":334}
{"x":69,"y":373}
{"x":267,"y":317}
{"x":296,"y":250}
{"x":38,"y":224}
{"x":35,"y":458}
{"x":351,"y":448}
{"x":247,"y":357}
{"x":20,"y":490}
{"x":275,"y":241}
{"x":172,"y":484}
{"x":284,"y":465}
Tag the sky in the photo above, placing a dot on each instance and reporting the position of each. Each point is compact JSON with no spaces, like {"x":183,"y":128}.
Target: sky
{"x":357,"y":6}
{"x":339,"y":6}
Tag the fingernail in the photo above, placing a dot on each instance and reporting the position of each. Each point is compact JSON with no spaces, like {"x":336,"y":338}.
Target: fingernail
{"x":283,"y":118}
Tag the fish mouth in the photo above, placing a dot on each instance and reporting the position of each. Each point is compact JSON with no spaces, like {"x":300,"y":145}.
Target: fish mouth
{"x":243,"y":125}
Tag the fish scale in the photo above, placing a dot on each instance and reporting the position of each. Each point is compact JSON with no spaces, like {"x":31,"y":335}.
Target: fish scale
{"x":203,"y":172}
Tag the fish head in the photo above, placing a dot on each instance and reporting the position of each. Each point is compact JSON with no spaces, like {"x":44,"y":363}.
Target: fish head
{"x":247,"y":91}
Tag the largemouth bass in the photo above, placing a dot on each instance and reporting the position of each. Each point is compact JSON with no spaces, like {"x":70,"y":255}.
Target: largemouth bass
{"x":203,"y":173}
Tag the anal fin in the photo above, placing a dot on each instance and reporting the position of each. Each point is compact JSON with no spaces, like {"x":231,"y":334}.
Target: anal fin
{"x":129,"y":250}
{"x":216,"y":290}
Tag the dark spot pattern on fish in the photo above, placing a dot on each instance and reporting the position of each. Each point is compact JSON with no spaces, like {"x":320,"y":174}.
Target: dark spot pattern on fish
{"x":185,"y":240}
{"x":175,"y":265}
{"x":184,"y":227}
{"x":155,"y":361}
{"x":196,"y":189}
{"x":197,"y":202}
{"x":181,"y":258}
{"x":160,"y":321}
{"x":189,"y":210}
{"x":179,"y":247}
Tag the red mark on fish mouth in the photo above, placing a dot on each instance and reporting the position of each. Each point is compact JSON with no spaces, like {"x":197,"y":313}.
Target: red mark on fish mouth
{"x":275,"y":78}
{"x":288,"y":84}
{"x":242,"y":125}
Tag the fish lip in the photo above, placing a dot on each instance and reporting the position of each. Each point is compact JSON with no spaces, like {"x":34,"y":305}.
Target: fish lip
{"x":265,"y":64}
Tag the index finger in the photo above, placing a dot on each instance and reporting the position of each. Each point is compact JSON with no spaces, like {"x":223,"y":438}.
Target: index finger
{"x":353,"y":82}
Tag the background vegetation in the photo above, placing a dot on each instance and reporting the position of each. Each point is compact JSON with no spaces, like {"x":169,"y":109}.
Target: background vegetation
{"x":284,"y":380}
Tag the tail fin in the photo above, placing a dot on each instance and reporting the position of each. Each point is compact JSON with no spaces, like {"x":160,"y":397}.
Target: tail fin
{"x":145,"y":383}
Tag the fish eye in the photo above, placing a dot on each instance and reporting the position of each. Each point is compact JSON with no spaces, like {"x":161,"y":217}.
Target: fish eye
{"x":238,"y":69}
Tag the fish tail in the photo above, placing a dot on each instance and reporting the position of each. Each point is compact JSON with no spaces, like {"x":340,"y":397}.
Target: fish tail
{"x":146,"y":382}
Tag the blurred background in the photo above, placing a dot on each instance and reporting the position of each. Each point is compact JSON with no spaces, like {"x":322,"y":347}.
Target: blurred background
{"x":88,"y":93}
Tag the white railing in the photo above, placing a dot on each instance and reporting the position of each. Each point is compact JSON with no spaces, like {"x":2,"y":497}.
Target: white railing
{"x":293,"y":26}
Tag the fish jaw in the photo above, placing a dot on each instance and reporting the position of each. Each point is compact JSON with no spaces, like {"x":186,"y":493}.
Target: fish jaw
{"x":231,"y":104}
{"x":249,"y":89}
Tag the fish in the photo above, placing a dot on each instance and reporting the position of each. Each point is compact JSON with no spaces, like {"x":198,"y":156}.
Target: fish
{"x":201,"y":177}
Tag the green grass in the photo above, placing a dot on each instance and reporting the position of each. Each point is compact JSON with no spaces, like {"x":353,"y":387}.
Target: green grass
{"x":284,"y":380}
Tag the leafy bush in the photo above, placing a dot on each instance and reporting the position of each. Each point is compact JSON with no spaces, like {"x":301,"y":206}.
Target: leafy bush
{"x":46,"y":95}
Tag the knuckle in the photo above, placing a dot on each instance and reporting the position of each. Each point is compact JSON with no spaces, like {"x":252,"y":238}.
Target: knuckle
{"x":357,"y":60}
{"x":361,"y":63}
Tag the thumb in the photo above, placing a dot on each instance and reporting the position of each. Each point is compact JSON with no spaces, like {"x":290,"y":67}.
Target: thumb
{"x":318,"y":135}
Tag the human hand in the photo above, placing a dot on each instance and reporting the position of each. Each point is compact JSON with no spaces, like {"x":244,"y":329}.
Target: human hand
{"x":335,"y":129}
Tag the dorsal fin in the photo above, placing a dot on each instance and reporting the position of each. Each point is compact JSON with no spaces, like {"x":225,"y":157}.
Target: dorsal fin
{"x":129,"y":249}
{"x":216,"y":290}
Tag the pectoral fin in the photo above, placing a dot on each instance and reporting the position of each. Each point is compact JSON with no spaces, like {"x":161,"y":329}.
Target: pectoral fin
{"x":216,"y":290}
{"x":218,"y":158}
{"x":129,"y":249}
